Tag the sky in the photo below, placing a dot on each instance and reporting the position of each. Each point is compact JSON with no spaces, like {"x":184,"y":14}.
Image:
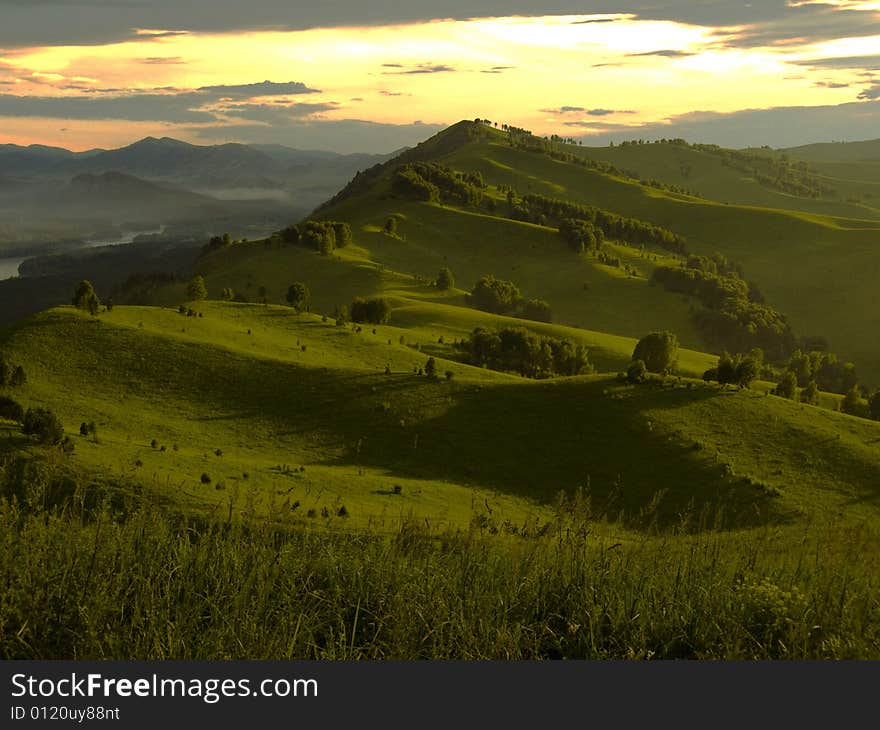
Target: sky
{"x":351,"y":76}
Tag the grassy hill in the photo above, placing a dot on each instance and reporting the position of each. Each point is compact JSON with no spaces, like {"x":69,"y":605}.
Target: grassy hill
{"x":275,"y":391}
{"x":817,"y":269}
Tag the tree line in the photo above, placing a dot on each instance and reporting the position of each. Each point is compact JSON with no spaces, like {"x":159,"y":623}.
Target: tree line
{"x":436,"y":183}
{"x":576,"y":221}
{"x":735,"y":316}
{"x":516,"y":349}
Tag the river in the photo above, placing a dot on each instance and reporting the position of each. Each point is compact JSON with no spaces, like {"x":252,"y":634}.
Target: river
{"x":9,"y":266}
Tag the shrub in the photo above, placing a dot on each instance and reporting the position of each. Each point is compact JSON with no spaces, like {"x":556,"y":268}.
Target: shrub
{"x":658,"y":350}
{"x":43,"y":424}
{"x":636,"y":372}
{"x":431,"y":368}
{"x":445,"y":279}
{"x":196,"y":289}
{"x":11,"y":410}
{"x":205,"y":479}
{"x":374,"y":311}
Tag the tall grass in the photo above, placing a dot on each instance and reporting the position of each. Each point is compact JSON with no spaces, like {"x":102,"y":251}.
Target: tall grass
{"x":87,"y":572}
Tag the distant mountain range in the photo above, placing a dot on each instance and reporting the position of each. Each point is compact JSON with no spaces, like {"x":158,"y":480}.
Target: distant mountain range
{"x":218,"y":167}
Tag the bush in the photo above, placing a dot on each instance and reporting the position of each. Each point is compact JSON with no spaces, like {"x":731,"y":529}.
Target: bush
{"x":196,"y":290}
{"x":450,"y":375}
{"x":431,"y":368}
{"x":495,"y":295}
{"x":658,"y":350}
{"x":374,"y":311}
{"x":636,"y":372}
{"x":11,"y":410}
{"x":299,"y":297}
{"x":205,"y":479}
{"x":445,"y":279}
{"x":43,"y":424}
{"x":84,"y":297}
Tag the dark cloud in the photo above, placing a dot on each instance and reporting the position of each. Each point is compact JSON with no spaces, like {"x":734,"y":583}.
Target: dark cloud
{"x":608,"y":112}
{"x":582,"y":110}
{"x":344,"y":136}
{"x":422,"y":68}
{"x":564,"y":110}
{"x":159,"y":60}
{"x":868,"y":63}
{"x":831,"y":84}
{"x":595,"y":20}
{"x":277,"y":113}
{"x":872,"y":93}
{"x":175,"y":105}
{"x":179,"y":108}
{"x":763,"y":22}
{"x":778,"y":127}
{"x":665,"y":53}
{"x":264,"y":88}
{"x":497,"y":69}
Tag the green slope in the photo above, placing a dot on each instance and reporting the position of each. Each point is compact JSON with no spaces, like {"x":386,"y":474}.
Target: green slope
{"x":239,"y":380}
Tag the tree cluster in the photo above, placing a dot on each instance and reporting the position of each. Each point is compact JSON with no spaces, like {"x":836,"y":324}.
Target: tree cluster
{"x":738,"y":369}
{"x":515,"y":349}
{"x":733,"y":319}
{"x":437,"y":183}
{"x":495,"y":295}
{"x":570,"y":218}
{"x":373,"y":311}
{"x":322,"y":236}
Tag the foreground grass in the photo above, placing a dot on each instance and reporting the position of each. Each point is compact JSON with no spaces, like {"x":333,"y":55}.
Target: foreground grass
{"x":90,"y":574}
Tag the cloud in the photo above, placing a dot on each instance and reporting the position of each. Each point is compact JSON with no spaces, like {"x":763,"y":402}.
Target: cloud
{"x":496,"y":69}
{"x":159,"y":60}
{"x":867,"y":63}
{"x":48,"y":22}
{"x":343,"y":136}
{"x":831,"y":84}
{"x":777,"y":127}
{"x":563,"y":110}
{"x":265,"y":88}
{"x":165,"y":105}
{"x":422,"y":68}
{"x":665,"y":53}
{"x":872,"y":93}
{"x":180,"y":108}
{"x":278,"y":113}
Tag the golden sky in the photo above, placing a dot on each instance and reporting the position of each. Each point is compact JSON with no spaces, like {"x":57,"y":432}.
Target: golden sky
{"x":585,"y":76}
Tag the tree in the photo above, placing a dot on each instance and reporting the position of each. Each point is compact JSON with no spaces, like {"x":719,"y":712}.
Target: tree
{"x":748,"y":368}
{"x":18,"y":377}
{"x":659,"y":351}
{"x":43,"y":424}
{"x":874,"y":405}
{"x":299,"y":297}
{"x":445,"y":279}
{"x":11,"y":410}
{"x":5,"y":371}
{"x":636,"y":372}
{"x":852,"y":401}
{"x":196,"y":290}
{"x":431,"y":368}
{"x":374,"y":311}
{"x":787,"y":385}
{"x":84,"y":297}
{"x":228,"y":294}
{"x":810,"y":393}
{"x":391,"y":225}
{"x":537,"y":310}
{"x":495,"y":295}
